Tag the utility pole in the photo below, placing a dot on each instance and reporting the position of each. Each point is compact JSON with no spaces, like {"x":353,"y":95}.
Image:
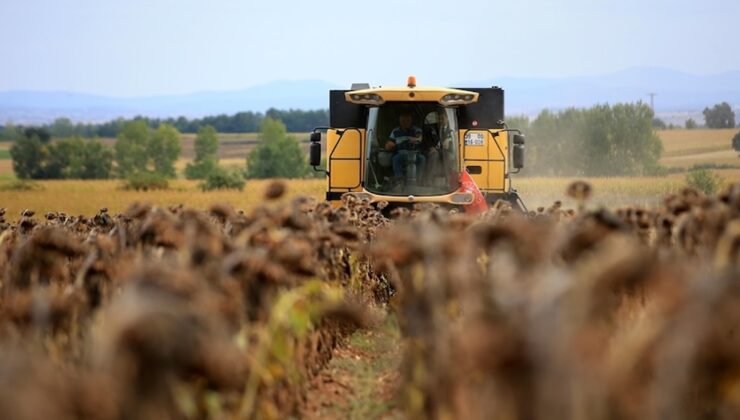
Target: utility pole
{"x":652,"y":101}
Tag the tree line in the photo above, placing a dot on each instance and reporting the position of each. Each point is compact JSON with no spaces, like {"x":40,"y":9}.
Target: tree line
{"x":146,"y":156}
{"x":602,"y":140}
{"x":138,"y":150}
{"x":599,"y":141}
{"x":295,"y":120}
{"x":719,"y":116}
{"x":35,"y":156}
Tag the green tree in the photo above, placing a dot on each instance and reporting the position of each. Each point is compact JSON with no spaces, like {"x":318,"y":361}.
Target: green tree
{"x":140,"y":150}
{"x":30,"y":153}
{"x":36,"y":157}
{"x":278,"y":155}
{"x":736,"y":142}
{"x":61,"y":154}
{"x":62,"y":128}
{"x":92,"y":161}
{"x":720,"y":116}
{"x":519,"y":121}
{"x":223,"y":179}
{"x":9,"y":132}
{"x":110,"y":128}
{"x":602,"y":140}
{"x":131,"y":148}
{"x":163,"y":149}
{"x":556,"y":143}
{"x":634,"y":147}
{"x":206,"y":154}
{"x":146,"y":181}
{"x":659,"y":124}
{"x":691,"y":124}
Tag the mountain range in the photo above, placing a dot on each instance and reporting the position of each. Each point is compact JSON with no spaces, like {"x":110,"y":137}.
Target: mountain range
{"x":677,"y":93}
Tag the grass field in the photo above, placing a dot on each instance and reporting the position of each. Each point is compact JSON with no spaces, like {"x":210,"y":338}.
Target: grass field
{"x":687,"y":142}
{"x":6,"y":169}
{"x":610,"y":192}
{"x":685,"y":148}
{"x":87,"y":197}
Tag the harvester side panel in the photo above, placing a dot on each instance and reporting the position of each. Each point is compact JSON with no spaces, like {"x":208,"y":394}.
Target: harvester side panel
{"x":345,"y":149}
{"x":484,"y":157}
{"x":497,"y":156}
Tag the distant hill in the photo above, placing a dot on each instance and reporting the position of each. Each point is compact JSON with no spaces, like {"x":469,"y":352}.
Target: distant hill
{"x":41,"y":107}
{"x":678,"y":94}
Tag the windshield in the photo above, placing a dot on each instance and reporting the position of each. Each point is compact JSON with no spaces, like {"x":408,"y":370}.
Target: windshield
{"x":412,"y":149}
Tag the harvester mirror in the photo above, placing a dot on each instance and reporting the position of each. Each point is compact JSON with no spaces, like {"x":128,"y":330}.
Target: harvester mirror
{"x":314,"y":152}
{"x":518,"y":152}
{"x":315,"y":137}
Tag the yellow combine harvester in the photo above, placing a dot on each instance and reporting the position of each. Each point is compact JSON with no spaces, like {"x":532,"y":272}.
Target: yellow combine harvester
{"x":412,"y":144}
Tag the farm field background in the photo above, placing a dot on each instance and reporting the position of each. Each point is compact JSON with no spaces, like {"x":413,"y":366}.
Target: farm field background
{"x":87,"y":197}
{"x":701,"y":140}
{"x":365,"y":374}
{"x":682,"y":149}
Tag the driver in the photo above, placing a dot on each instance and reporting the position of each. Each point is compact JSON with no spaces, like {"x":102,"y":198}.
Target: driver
{"x":404,"y":138}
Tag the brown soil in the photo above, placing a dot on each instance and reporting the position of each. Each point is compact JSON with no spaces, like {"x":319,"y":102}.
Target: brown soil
{"x":362,"y":379}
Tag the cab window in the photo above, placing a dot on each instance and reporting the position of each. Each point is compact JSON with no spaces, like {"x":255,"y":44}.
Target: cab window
{"x":412,"y":149}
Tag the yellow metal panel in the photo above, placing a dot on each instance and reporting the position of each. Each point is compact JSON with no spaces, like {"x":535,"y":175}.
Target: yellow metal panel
{"x":487,"y":150}
{"x":345,"y":151}
{"x":474,"y":146}
{"x":496,"y":178}
{"x":497,"y":154}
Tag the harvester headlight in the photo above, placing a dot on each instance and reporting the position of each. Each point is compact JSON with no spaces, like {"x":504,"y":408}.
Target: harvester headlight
{"x":362,"y":196}
{"x":456,"y":99}
{"x":462,"y":198}
{"x":367,"y":99}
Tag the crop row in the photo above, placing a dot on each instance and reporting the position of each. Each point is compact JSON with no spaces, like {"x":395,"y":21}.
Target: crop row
{"x":177,"y":313}
{"x":570,"y":314}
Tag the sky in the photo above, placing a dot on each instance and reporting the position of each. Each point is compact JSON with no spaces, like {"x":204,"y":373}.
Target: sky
{"x":150,"y":47}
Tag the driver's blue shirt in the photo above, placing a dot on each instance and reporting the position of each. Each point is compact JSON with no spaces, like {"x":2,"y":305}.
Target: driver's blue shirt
{"x":402,"y":137}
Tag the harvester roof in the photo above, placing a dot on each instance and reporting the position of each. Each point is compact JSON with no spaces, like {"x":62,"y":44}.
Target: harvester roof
{"x":411,"y":93}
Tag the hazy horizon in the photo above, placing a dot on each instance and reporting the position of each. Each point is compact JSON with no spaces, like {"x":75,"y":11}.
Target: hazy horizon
{"x":138,"y":48}
{"x":281,"y":83}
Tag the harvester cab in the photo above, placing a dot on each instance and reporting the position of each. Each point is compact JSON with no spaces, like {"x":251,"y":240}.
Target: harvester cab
{"x":405,"y":145}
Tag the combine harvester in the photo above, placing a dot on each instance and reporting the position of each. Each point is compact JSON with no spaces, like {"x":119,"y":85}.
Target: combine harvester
{"x":406,"y":145}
